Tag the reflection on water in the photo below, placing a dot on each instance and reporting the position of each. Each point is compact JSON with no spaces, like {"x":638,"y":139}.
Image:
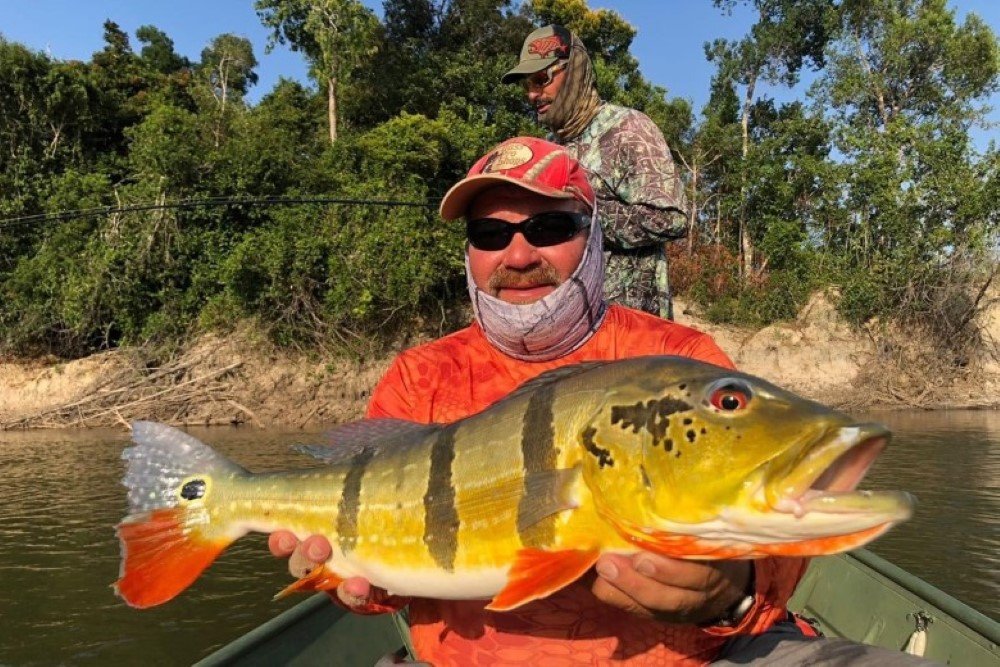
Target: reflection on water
{"x":951,"y":462}
{"x":60,"y":496}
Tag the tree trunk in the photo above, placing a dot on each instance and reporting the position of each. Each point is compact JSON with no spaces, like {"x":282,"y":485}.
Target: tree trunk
{"x":331,"y":96}
{"x":746,"y":243}
{"x":693,"y":206}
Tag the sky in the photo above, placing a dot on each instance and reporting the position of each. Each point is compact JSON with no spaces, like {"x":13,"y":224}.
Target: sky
{"x":668,"y":45}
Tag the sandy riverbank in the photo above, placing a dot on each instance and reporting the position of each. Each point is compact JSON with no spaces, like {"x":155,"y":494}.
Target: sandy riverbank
{"x":238,"y":379}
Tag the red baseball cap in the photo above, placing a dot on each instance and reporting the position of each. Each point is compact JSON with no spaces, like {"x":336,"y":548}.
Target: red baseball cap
{"x":527,"y":162}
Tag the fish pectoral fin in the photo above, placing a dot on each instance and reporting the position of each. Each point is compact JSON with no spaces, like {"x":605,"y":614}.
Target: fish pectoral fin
{"x":546,"y":493}
{"x":319,"y":578}
{"x":161,"y":556}
{"x":537,"y":573}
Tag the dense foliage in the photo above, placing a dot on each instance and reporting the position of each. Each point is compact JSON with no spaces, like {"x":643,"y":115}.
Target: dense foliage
{"x":870,"y":183}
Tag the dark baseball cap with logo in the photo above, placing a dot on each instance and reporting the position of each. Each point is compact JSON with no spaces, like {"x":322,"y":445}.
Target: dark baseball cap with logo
{"x":542,"y":48}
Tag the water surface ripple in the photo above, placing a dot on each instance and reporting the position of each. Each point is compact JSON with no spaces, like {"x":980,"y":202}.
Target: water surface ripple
{"x":60,"y":496}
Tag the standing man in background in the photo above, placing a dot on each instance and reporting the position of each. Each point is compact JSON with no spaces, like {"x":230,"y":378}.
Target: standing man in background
{"x":641,"y":198}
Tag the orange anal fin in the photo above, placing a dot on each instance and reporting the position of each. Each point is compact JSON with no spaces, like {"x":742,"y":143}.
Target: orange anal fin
{"x":319,"y":579}
{"x":161,"y":557}
{"x":537,"y":573}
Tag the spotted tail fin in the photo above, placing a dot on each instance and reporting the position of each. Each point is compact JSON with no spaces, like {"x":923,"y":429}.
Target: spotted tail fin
{"x":168,"y":538}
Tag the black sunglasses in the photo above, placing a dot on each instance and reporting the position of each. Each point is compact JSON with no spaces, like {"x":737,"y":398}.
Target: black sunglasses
{"x":541,"y":231}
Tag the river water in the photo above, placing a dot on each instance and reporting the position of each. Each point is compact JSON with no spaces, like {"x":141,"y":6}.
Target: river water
{"x":60,"y":496}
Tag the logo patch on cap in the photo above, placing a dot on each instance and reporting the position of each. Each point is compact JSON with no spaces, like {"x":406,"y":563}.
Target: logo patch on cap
{"x":508,"y":156}
{"x":546,"y":47}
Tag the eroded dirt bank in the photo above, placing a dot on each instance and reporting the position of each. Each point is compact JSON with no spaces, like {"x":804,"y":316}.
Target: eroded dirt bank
{"x":236,"y":379}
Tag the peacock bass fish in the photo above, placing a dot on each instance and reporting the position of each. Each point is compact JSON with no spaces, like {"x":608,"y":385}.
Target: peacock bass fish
{"x":664,"y":454}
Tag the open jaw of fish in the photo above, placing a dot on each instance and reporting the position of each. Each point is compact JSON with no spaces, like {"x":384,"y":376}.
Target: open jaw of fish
{"x":802,"y":503}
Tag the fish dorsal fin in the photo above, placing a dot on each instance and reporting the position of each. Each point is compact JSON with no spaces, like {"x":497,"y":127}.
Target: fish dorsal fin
{"x":555,"y":375}
{"x":366,"y":436}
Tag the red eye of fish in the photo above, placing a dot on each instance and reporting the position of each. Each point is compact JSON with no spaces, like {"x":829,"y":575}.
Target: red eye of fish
{"x":730,"y":398}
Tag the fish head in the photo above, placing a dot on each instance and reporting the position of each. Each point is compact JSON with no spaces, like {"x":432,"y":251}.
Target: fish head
{"x":728,"y":458}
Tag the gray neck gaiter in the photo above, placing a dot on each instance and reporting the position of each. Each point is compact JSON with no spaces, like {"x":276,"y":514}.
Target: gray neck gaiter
{"x":555,"y":325}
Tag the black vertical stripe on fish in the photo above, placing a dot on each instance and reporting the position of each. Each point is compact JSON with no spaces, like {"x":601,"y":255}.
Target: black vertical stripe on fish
{"x":441,"y":515}
{"x":350,"y":501}
{"x":538,"y":451}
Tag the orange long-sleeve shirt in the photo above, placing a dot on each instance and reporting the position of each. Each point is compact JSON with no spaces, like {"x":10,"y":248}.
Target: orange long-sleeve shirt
{"x":462,"y":374}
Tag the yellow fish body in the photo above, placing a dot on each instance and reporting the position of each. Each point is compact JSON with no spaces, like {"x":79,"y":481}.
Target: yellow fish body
{"x":663,"y":454}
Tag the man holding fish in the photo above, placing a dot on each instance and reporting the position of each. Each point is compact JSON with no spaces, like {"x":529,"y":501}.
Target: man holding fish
{"x":535,"y":267}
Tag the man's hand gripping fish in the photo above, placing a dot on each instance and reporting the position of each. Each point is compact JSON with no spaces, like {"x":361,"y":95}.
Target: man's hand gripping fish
{"x":663,"y":454}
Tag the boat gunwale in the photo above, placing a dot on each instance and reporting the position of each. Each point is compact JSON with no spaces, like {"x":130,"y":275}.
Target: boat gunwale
{"x":960,"y":611}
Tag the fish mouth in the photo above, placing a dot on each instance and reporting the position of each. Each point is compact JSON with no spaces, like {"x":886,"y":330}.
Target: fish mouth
{"x":824,"y":480}
{"x":803,"y":503}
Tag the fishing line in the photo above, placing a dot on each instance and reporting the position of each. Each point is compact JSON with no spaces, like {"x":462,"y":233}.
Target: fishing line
{"x":71,"y":214}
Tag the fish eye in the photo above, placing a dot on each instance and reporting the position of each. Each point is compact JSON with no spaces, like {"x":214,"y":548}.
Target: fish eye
{"x":193,"y":489}
{"x":730,"y":397}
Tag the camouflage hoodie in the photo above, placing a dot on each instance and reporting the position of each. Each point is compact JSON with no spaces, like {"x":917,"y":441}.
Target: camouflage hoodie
{"x":640,"y":202}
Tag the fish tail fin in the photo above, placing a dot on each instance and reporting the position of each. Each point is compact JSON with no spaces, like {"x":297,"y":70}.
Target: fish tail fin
{"x":169,"y":537}
{"x":161,"y":557}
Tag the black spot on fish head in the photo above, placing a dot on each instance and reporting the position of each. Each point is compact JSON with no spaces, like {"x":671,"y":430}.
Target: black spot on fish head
{"x":603,"y":456}
{"x":691,"y":435}
{"x":193,"y":489}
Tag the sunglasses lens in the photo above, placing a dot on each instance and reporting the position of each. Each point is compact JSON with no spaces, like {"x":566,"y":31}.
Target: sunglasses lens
{"x":542,"y":78}
{"x":541,"y":231}
{"x":489,"y":234}
{"x":548,"y":229}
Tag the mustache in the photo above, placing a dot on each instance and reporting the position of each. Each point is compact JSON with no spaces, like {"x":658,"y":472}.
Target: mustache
{"x":506,"y":278}
{"x":542,"y":101}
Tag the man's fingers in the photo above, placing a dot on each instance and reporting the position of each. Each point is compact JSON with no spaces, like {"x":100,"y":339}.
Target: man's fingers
{"x":305,"y":555}
{"x":317,"y":548}
{"x":688,"y":574}
{"x":282,"y":543}
{"x":641,"y":591}
{"x":609,"y":594}
{"x":354,"y":592}
{"x":299,"y":565}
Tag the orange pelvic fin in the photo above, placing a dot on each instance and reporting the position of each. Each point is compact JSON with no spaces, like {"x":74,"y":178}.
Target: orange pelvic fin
{"x":537,"y":573}
{"x":161,"y":556}
{"x":319,"y":579}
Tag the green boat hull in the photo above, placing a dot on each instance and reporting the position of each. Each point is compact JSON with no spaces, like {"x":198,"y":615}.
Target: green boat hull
{"x":865,"y":598}
{"x":858,"y":596}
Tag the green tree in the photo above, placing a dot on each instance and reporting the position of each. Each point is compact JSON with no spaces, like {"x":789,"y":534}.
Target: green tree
{"x":158,"y":51}
{"x":905,"y":84}
{"x":334,"y":35}
{"x":228,"y":63}
{"x":788,"y":35}
{"x":227,"y":70}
